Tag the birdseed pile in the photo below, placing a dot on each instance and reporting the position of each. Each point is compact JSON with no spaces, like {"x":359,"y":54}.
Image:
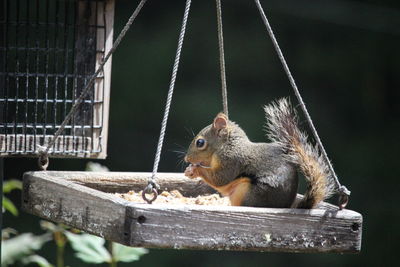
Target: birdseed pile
{"x":175,"y":197}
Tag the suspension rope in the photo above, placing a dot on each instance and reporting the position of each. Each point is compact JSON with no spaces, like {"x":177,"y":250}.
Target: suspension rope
{"x":343,"y":191}
{"x":43,"y":152}
{"x":222,"y":58}
{"x":152,"y":185}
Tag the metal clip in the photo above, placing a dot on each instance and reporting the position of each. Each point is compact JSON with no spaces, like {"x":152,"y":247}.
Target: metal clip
{"x":43,"y":161}
{"x":153,"y":191}
{"x":343,"y":197}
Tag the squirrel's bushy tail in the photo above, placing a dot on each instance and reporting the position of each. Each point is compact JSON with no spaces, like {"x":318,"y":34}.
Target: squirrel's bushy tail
{"x":282,"y":128}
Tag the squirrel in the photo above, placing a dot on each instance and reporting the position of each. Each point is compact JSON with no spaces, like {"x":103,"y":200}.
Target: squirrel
{"x":260,"y":174}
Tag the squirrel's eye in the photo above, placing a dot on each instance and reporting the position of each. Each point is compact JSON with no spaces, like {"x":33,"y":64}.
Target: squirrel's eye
{"x":200,"y":143}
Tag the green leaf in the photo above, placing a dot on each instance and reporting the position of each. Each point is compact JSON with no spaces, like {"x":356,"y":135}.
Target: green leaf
{"x":21,"y":246}
{"x":51,"y":227}
{"x":96,"y":167}
{"x":10,"y":185}
{"x":39,"y":260}
{"x":7,"y":232}
{"x":9,"y":206}
{"x":89,"y":248}
{"x":127,"y":254}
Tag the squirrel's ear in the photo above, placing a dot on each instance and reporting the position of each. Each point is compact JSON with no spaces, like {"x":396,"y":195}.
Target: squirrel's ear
{"x":220,"y":123}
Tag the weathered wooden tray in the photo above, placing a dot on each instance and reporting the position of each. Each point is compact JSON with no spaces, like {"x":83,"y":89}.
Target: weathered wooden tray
{"x":81,"y":200}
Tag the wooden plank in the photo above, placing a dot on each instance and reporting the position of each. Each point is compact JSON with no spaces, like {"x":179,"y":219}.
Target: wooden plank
{"x":244,"y":228}
{"x":104,"y":91}
{"x":65,"y":202}
{"x":122,"y":182}
{"x":58,"y":196}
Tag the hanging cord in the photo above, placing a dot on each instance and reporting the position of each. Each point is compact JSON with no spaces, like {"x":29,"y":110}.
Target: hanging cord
{"x":44,"y":151}
{"x":222,"y":58}
{"x":152,"y":186}
{"x":342,"y":190}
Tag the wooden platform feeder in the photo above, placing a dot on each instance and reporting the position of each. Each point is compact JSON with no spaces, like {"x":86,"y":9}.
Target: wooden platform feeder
{"x":84,"y":200}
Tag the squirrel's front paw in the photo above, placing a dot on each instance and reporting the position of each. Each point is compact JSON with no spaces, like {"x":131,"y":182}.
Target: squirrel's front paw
{"x":191,"y":171}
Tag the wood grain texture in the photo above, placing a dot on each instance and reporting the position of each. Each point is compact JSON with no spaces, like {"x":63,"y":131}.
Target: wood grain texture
{"x":244,"y":228}
{"x":105,"y":18}
{"x":122,"y":182}
{"x":63,"y":201}
{"x":64,"y":197}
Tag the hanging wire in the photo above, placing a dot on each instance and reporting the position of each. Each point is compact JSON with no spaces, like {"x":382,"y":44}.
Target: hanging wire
{"x":343,"y":191}
{"x":43,"y":151}
{"x":152,"y":185}
{"x":222,"y":58}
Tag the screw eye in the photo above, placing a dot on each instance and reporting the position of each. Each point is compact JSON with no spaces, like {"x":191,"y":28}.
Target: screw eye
{"x":201,"y":143}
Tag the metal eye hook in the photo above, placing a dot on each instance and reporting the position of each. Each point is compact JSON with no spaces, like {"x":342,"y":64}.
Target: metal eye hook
{"x":43,"y":161}
{"x":155,"y":195}
{"x":343,"y":200}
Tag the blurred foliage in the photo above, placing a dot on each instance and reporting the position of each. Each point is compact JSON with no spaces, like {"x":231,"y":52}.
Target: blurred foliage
{"x":89,"y":248}
{"x":95,"y":167}
{"x":11,"y":185}
{"x":21,"y":249}
{"x":8,"y":186}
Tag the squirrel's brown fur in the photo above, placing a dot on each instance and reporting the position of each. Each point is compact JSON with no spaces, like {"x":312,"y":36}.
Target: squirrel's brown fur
{"x":283,"y":130}
{"x":260,"y":174}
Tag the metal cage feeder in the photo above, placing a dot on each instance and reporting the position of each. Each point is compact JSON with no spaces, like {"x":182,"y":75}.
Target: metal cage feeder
{"x":48,"y":51}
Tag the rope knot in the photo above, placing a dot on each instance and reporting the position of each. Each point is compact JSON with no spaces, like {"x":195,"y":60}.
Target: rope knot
{"x":151,"y":185}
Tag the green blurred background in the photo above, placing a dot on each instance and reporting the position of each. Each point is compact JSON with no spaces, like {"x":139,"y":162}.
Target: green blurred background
{"x":345,"y":58}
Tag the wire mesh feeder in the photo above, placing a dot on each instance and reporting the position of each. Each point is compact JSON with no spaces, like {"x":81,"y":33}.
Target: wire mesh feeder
{"x":48,"y":50}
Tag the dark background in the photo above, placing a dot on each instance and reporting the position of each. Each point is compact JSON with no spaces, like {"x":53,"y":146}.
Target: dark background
{"x":345,"y":58}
